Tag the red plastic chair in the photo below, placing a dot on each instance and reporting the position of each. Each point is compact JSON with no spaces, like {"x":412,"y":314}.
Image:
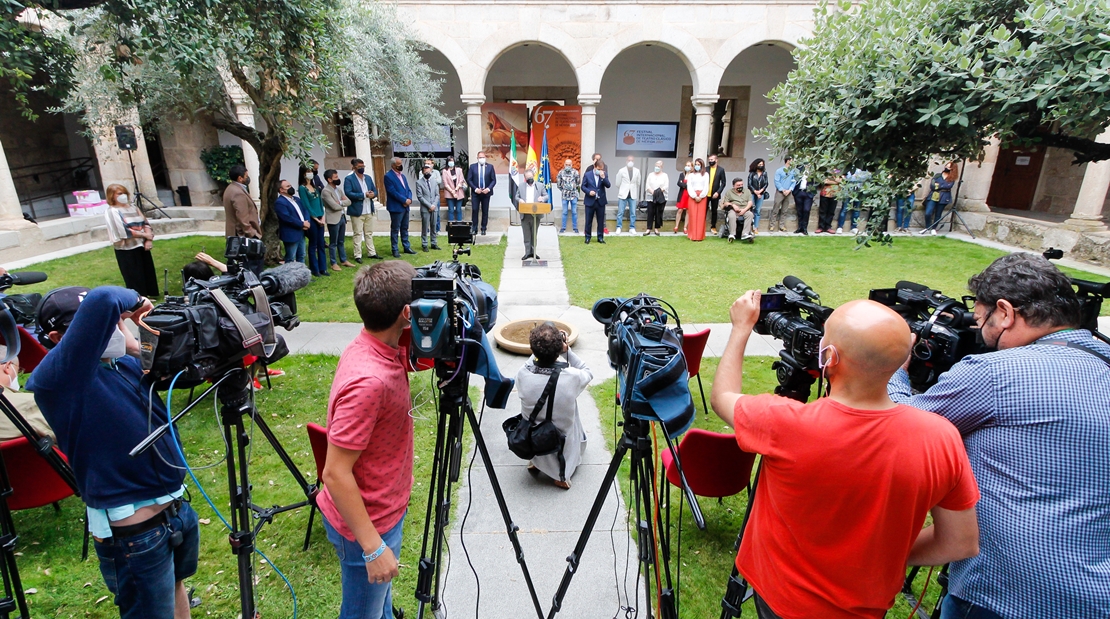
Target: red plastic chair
{"x":714,"y":464}
{"x":693,"y":345}
{"x":318,"y":439}
{"x":34,"y":482}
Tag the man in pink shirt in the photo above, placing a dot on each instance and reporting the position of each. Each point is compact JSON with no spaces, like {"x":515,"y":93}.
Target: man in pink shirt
{"x":368,"y":476}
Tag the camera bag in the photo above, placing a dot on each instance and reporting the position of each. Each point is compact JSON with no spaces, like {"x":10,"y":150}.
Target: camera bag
{"x":528,"y":439}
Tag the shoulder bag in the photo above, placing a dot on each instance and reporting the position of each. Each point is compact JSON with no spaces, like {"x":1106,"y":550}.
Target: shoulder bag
{"x":528,"y":439}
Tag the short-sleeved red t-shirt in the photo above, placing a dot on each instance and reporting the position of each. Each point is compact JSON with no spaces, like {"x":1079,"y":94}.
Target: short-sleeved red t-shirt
{"x":842,"y":496}
{"x":368,"y":411}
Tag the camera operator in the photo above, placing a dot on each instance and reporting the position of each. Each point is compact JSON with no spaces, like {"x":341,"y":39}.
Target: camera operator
{"x":93,"y":394}
{"x":368,"y":475}
{"x":24,"y":403}
{"x":1034,"y":419}
{"x":846,"y":481}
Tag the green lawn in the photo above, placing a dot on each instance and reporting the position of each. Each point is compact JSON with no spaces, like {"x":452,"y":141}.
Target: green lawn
{"x":50,"y":543}
{"x":708,"y":556}
{"x":326,"y":299}
{"x":703,"y":279}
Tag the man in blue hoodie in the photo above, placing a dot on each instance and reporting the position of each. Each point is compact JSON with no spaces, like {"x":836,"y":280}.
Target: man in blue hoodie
{"x":93,"y":392}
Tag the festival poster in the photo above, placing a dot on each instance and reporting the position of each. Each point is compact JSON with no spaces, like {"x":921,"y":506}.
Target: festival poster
{"x":564,"y":135}
{"x":500,"y":123}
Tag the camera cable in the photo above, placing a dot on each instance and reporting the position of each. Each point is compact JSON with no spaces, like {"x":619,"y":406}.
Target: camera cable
{"x":150,"y":428}
{"x":208,"y":499}
{"x":462,"y":525}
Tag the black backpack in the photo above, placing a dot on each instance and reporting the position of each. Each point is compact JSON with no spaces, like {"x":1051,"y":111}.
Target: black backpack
{"x":527,"y":440}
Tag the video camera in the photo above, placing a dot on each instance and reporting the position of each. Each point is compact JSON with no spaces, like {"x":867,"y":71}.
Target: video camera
{"x":652,"y":378}
{"x":21,"y":306}
{"x":1090,"y":294}
{"x":791,"y":312}
{"x":220,"y":321}
{"x":945,"y":328}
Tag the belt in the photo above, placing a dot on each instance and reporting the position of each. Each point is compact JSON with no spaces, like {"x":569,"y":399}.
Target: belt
{"x":159,"y":519}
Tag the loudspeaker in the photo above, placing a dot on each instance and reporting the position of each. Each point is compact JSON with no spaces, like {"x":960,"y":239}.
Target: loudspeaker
{"x":125,"y":137}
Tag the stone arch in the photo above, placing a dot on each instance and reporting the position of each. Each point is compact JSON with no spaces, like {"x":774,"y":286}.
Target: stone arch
{"x":436,"y":38}
{"x":688,"y":49}
{"x":746,"y":39}
{"x":500,"y":42}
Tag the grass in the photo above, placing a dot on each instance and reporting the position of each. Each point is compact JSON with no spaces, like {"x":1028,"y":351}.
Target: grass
{"x":708,"y":556}
{"x":703,"y":279}
{"x":326,"y":299}
{"x":50,"y":543}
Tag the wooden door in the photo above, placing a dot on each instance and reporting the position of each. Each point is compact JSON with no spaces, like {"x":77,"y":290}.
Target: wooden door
{"x":1015,"y":178}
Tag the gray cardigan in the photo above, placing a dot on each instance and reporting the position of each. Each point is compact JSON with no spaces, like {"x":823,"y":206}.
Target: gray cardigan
{"x":333,"y":206}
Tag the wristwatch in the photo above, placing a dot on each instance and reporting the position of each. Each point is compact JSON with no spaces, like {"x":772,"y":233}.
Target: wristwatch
{"x":369,"y":558}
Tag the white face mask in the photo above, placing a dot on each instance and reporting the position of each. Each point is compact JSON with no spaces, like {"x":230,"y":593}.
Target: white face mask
{"x":450,"y":164}
{"x":117,"y":346}
{"x":15,"y":383}
{"x":697,"y":167}
{"x":658,"y":169}
{"x":687,"y":168}
{"x":308,"y":176}
{"x":481,"y":160}
{"x":122,"y":199}
{"x":629,"y":164}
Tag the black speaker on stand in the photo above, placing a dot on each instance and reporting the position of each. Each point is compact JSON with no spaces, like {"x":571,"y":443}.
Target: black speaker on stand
{"x":127,"y":141}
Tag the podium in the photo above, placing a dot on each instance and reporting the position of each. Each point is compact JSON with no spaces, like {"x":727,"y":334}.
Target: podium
{"x":535,"y":209}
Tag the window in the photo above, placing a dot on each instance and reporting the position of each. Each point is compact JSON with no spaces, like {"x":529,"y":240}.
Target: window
{"x":344,"y":135}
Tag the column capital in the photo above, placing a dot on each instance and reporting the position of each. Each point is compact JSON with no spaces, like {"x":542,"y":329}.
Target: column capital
{"x":704,"y":101}
{"x":473,"y":99}
{"x":589,"y":101}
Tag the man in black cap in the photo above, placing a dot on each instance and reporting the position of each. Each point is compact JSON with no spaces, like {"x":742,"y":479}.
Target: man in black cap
{"x":91,"y":389}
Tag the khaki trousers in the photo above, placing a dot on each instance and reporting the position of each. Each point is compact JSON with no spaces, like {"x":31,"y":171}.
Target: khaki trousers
{"x":363,"y":232}
{"x":778,"y":211}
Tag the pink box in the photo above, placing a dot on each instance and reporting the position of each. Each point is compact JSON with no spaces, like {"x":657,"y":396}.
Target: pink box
{"x":88,"y":196}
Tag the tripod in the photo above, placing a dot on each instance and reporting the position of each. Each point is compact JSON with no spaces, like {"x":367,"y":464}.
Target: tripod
{"x":953,"y":214}
{"x":237,"y":402}
{"x":139,"y":197}
{"x":454,"y":404}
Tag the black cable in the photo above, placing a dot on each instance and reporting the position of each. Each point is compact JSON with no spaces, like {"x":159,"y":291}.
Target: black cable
{"x":462,"y":525}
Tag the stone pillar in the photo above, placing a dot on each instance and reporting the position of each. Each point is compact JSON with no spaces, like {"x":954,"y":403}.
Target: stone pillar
{"x":975,"y":179}
{"x":1087,"y":216}
{"x":244,"y":113}
{"x":589,"y":105}
{"x":703,"y":107}
{"x":11,"y":213}
{"x":115,"y":165}
{"x":363,"y":148}
{"x":473,"y":105}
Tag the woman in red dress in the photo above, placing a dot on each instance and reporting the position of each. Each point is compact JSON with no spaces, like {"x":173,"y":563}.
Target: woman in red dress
{"x":697,"y":188}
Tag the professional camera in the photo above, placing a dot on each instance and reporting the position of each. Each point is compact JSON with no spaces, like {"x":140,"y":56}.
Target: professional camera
{"x":791,"y":312}
{"x":945,"y":329}
{"x":1090,"y":294}
{"x":647,"y":356}
{"x":222,"y":320}
{"x":22,"y":307}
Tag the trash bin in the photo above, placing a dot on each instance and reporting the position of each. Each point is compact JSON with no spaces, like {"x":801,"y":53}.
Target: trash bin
{"x":183,"y":197}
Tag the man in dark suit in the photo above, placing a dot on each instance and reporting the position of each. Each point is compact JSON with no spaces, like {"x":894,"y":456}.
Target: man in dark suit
{"x":398,"y":198}
{"x":594,"y":182}
{"x":528,"y":192}
{"x":292,"y":222}
{"x":481,"y":179}
{"x":717,"y":185}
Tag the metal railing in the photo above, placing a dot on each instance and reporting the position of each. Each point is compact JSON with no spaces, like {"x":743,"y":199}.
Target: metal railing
{"x":39,"y":182}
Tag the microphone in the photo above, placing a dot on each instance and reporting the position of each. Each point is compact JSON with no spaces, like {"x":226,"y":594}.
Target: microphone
{"x":286,"y":278}
{"x":800,"y":287}
{"x":24,"y":278}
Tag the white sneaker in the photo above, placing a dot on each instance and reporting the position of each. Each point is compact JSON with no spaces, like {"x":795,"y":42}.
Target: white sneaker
{"x":933,"y":232}
{"x":840,"y":230}
{"x":855,"y":231}
{"x":617,"y":233}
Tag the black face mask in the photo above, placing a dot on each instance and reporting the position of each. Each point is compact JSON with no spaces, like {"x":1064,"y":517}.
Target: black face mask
{"x":290,"y":191}
{"x":982,"y":344}
{"x":530,"y":181}
{"x":334,"y":181}
{"x":360,"y":170}
{"x":760,"y":168}
{"x":712,"y":163}
{"x":427,"y":175}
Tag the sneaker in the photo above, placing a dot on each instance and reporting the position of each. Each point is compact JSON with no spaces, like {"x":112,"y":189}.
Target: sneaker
{"x":731,"y":239}
{"x":840,"y":230}
{"x":562,"y":230}
{"x":576,"y":230}
{"x":933,"y":232}
{"x":617,"y":233}
{"x":746,"y":238}
{"x":273,"y":372}
{"x":855,"y":232}
{"x":713,"y":231}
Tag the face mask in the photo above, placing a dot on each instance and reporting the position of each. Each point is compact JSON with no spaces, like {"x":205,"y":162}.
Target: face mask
{"x":117,"y":346}
{"x":712,"y":163}
{"x":687,"y":168}
{"x":308,"y":176}
{"x":450,"y":164}
{"x":427,"y":175}
{"x":247,"y":181}
{"x":760,"y":167}
{"x":15,"y":383}
{"x":122,"y":199}
{"x":658,"y":169}
{"x":529,"y":179}
{"x":360,"y":169}
{"x":334,"y":182}
{"x":566,"y":167}
{"x":291,"y":191}
{"x":629,"y":164}
{"x":482,"y":160}
{"x":697,"y":167}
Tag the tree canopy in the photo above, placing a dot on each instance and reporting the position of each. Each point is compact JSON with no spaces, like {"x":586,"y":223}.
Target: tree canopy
{"x":29,"y":58}
{"x":892,"y":85}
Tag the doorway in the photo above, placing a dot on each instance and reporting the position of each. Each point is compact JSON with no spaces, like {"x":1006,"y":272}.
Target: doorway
{"x":1015,"y":178}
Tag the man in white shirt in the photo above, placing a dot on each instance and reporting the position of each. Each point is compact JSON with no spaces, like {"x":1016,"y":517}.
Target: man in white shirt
{"x":526,"y":193}
{"x":628,"y":193}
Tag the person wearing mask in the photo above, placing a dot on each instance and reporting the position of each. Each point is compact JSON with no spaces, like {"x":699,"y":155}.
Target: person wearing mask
{"x":826,"y":207}
{"x":427,"y":195}
{"x":22,"y":401}
{"x":851,"y":202}
{"x":292,"y":221}
{"x":312,"y":203}
{"x":454,"y":187}
{"x":335,"y":207}
{"x":683,"y":203}
{"x":717,"y":184}
{"x":398,"y":199}
{"x":132,"y":238}
{"x":628,"y":192}
{"x":1032,"y":412}
{"x":437,"y":184}
{"x":482,"y":180}
{"x":846,"y":481}
{"x":368,"y":471}
{"x":361,"y":191}
{"x":594,"y":182}
{"x":317,"y":182}
{"x":569,"y":182}
{"x":528,"y":192}
{"x":92,"y":390}
{"x":241,"y":213}
{"x":738,"y":208}
{"x":571,"y":378}
{"x":803,"y":202}
{"x":784,"y":194}
{"x":655,"y":190}
{"x":940,"y":194}
{"x":697,"y":185}
{"x":757,"y":184}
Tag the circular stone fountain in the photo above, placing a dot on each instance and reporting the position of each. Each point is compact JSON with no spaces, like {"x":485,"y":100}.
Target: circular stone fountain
{"x":513,"y":336}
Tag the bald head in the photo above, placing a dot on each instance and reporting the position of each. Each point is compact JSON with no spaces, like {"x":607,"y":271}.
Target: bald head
{"x":870,"y":339}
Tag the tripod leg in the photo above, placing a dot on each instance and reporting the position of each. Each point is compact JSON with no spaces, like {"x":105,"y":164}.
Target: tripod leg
{"x":309,"y":490}
{"x":427,"y":566}
{"x":445,"y":473}
{"x":241,"y":536}
{"x":14,"y":598}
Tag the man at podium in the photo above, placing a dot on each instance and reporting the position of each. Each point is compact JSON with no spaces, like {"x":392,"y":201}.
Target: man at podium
{"x":527,"y":193}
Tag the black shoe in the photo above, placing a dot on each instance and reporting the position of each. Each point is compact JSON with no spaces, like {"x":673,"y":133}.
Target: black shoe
{"x":424,"y":249}
{"x":396,"y":254}
{"x":435,"y":247}
{"x":359,"y":260}
{"x":526,"y":256}
{"x":805,"y":232}
{"x":408,"y":250}
{"x":377,"y":257}
{"x":483,"y":232}
{"x":587,"y":240}
{"x":602,"y":241}
{"x":535,"y":257}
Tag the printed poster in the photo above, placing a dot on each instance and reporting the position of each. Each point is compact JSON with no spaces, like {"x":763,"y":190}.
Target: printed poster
{"x":500,"y":122}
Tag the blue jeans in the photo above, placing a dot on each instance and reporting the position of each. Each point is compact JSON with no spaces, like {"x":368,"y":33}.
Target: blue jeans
{"x":362,"y":600}
{"x":142,"y":571}
{"x":399,"y":226}
{"x":933,"y":212}
{"x":844,"y":208}
{"x":337,"y":240}
{"x":630,"y":205}
{"x":570,"y":205}
{"x":454,"y":209}
{"x":317,"y":249}
{"x":758,"y":206}
{"x":903,"y":211}
{"x":294,"y":251}
{"x":955,"y":608}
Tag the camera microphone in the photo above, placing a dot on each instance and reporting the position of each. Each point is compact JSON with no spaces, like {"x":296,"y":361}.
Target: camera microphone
{"x":21,"y":278}
{"x":284,"y":279}
{"x":800,"y":287}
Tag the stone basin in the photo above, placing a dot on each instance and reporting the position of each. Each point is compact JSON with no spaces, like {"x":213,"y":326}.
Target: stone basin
{"x":513,"y":336}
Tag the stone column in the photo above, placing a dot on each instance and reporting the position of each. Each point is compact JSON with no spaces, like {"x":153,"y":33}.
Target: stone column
{"x":11,"y":213}
{"x":115,"y":166}
{"x":589,"y":105}
{"x":473,"y":105}
{"x":363,"y":148}
{"x":244,"y":113}
{"x":703,"y":107}
{"x":1087,"y":216}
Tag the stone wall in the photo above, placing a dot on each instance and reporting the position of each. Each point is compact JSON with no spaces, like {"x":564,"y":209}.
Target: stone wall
{"x":1059,"y":183}
{"x":1038,"y":236}
{"x":182,"y":144}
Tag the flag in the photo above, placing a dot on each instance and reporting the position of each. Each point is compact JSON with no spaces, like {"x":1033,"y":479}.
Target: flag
{"x":512,"y":168}
{"x":544,"y":173}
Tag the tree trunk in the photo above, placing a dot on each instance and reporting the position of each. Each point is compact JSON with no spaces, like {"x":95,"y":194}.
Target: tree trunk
{"x":269,"y":169}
